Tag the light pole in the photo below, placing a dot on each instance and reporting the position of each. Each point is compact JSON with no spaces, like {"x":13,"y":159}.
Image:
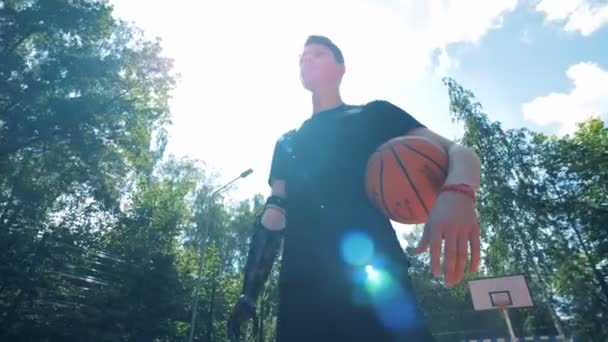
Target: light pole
{"x":202,"y":249}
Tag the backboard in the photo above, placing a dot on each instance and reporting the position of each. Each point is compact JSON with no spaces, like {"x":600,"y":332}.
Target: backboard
{"x":500,"y":293}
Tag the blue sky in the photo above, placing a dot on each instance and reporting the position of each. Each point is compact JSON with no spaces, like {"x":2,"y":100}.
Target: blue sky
{"x":541,"y":64}
{"x":526,"y":59}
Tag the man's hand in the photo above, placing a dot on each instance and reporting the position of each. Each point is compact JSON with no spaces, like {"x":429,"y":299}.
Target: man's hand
{"x":453,"y":219}
{"x":243,"y":311}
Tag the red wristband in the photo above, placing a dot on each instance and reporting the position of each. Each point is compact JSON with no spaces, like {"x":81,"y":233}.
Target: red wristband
{"x":462,"y":188}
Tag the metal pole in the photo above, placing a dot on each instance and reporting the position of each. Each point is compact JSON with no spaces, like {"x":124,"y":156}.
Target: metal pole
{"x":199,"y":279}
{"x":203,"y":247}
{"x":505,"y":313}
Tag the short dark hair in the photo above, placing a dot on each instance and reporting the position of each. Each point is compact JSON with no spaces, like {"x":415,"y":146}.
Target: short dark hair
{"x":322,"y":40}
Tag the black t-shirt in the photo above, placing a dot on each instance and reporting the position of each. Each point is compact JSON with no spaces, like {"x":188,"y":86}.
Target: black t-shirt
{"x":323,"y":163}
{"x":338,"y":138}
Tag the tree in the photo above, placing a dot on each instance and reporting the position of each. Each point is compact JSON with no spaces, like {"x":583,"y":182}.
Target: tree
{"x":81,"y":95}
{"x":529,"y":190}
{"x":100,"y":232}
{"x":575,"y":168}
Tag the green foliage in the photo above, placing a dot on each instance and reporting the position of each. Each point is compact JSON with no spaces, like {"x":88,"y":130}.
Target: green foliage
{"x":542,"y":201}
{"x":104,"y":238}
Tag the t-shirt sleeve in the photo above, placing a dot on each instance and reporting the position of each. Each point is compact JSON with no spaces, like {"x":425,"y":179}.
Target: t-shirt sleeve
{"x":280,"y":158}
{"x":392,"y":119}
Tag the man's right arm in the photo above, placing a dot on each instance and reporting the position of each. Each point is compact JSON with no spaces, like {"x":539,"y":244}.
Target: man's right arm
{"x":277,"y":188}
{"x":274,"y":216}
{"x":264,"y":246}
{"x":281,"y":162}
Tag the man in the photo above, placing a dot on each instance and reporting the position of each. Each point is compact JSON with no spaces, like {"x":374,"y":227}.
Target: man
{"x":319,"y":209}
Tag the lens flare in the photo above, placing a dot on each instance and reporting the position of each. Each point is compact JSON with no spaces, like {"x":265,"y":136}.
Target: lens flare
{"x":357,"y":248}
{"x":399,"y":313}
{"x":392,"y":302}
{"x":376,"y":285}
{"x":378,"y":282}
{"x":372,"y":274}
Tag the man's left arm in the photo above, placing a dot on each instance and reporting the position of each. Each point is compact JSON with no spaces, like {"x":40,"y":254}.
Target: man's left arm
{"x":453,"y":217}
{"x":464,"y":165}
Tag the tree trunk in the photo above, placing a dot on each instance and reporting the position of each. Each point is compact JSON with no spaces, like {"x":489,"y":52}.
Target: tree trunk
{"x":211,"y":307}
{"x":557,"y":323}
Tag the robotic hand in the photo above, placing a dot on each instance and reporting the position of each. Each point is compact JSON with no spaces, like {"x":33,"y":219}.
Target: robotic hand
{"x":263,"y":250}
{"x":243,"y":311}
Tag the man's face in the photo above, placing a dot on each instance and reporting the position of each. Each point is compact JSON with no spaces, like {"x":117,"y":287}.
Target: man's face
{"x":319,"y":69}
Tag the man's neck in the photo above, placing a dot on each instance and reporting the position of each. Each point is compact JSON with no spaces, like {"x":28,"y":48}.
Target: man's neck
{"x":322,"y":101}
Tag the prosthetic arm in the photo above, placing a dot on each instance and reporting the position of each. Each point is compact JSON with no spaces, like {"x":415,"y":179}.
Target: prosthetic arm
{"x":263,"y":250}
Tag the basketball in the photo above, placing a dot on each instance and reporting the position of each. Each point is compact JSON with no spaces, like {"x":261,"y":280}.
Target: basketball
{"x":404,"y":176}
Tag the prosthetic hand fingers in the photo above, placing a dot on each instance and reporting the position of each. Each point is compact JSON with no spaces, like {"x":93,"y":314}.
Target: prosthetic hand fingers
{"x":263,"y":250}
{"x":243,"y":311}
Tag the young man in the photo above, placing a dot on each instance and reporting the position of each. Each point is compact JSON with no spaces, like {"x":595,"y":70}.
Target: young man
{"x":343,"y":274}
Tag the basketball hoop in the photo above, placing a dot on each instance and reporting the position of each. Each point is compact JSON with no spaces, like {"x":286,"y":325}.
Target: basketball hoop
{"x":503,"y":306}
{"x":501,"y":299}
{"x":502,"y":293}
{"x":508,"y":292}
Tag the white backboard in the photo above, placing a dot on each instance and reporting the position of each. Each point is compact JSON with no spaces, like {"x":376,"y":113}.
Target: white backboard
{"x":508,"y":292}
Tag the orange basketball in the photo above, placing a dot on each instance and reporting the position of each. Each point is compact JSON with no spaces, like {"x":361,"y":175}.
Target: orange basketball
{"x":404,"y":176}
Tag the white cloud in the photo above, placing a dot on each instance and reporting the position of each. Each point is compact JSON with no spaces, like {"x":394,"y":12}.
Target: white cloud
{"x":445,"y":63}
{"x":238,"y":59}
{"x":584,"y":16}
{"x":588,"y":97}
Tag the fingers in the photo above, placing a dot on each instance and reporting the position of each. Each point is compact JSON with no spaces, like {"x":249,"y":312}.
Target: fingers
{"x":475,"y":249}
{"x":456,"y":253}
{"x":436,"y":242}
{"x":233,"y":336}
{"x":451,"y":255}
{"x":241,"y":313}
{"x":423,"y":245}
{"x":233,"y":331}
{"x":462,"y":258}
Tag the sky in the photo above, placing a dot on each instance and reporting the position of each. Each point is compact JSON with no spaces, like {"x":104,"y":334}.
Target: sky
{"x":540,"y":64}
